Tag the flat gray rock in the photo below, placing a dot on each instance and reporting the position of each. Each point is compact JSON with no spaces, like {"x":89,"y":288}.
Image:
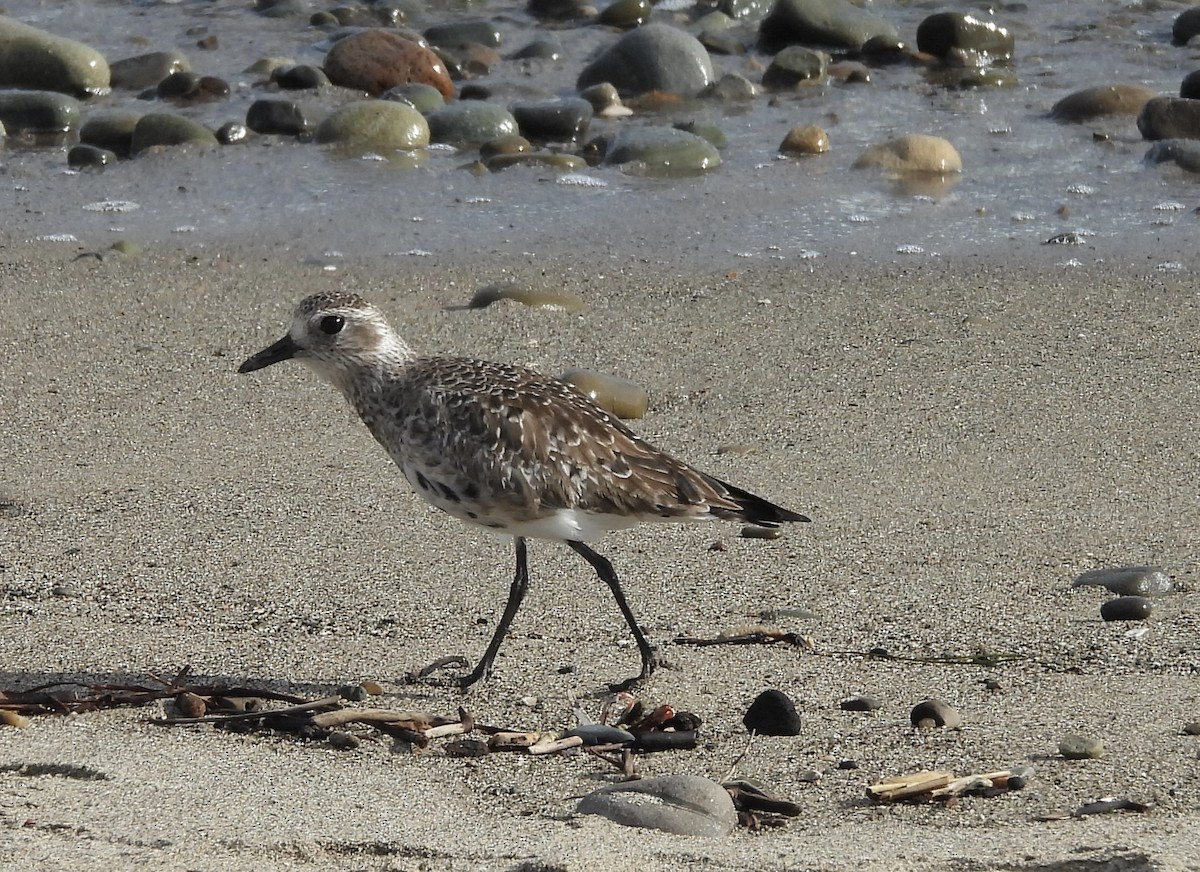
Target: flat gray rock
{"x":687,"y":805}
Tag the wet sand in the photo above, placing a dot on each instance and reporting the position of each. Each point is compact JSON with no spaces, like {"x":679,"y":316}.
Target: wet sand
{"x":968,"y":435}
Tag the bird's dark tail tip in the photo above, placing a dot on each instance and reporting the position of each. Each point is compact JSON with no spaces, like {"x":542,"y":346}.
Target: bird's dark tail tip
{"x":756,"y":510}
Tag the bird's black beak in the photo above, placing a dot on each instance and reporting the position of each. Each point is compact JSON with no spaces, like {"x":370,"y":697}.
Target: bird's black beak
{"x":284,"y":349}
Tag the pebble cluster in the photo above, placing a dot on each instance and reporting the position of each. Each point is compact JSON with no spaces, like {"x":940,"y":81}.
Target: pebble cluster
{"x":385,"y":88}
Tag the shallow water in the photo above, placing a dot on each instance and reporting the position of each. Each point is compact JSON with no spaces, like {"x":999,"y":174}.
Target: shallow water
{"x":1026,"y":178}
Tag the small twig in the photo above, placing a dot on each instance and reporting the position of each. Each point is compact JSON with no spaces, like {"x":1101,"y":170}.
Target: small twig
{"x":740,"y":757}
{"x":249,"y":716}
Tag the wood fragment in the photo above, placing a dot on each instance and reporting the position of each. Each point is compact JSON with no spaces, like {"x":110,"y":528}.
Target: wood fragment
{"x":416,"y":721}
{"x":555,"y":745}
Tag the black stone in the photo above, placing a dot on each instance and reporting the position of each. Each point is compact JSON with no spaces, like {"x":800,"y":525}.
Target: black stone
{"x":276,"y":116}
{"x":772,"y":714}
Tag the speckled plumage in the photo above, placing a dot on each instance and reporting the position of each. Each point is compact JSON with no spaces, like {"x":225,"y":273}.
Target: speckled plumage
{"x":503,"y":446}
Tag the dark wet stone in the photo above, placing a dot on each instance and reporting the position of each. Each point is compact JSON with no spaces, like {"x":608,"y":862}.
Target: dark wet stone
{"x":933,"y":713}
{"x":1101,"y":101}
{"x":852,"y":72}
{"x":1190,"y":86}
{"x":687,"y":805}
{"x":1127,"y":580}
{"x":147,"y":70}
{"x":1192,"y":728}
{"x":470,"y":122}
{"x":38,"y":112}
{"x":1075,"y":747}
{"x":539,"y":50}
{"x":478,"y":30}
{"x":1126,"y":608}
{"x":1183,"y":153}
{"x":560,"y":10}
{"x":424,"y":98}
{"x":553,"y":120}
{"x":654,"y":57}
{"x":860,"y":704}
{"x":375,"y":124}
{"x":836,"y":23}
{"x":625,"y":13}
{"x":468,"y":60}
{"x":32,"y":58}
{"x":182,"y":83}
{"x":112,"y":131}
{"x":282,"y":8}
{"x":793,"y":66}
{"x":946,"y":32}
{"x":90,"y":157}
{"x":161,"y":129}
{"x":1170,"y":118}
{"x":232,"y":132}
{"x":301,"y":77}
{"x":276,"y":116}
{"x":376,"y":60}
{"x":772,"y":714}
{"x":1187,"y":25}
{"x":324,"y":19}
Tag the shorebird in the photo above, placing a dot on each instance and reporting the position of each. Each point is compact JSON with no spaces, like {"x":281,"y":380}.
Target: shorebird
{"x":505,"y":448}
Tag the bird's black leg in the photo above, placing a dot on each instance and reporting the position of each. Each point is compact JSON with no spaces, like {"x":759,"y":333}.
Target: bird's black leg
{"x":608,"y":575}
{"x":516,"y":593}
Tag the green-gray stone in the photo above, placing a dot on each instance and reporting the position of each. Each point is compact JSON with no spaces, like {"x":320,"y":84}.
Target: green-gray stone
{"x":161,"y":129}
{"x":38,"y":111}
{"x":33,"y":58}
{"x":795,"y":65}
{"x":376,"y":125}
{"x":661,"y":151}
{"x":112,"y":131}
{"x":470,"y":122}
{"x":421,"y":96}
{"x":147,"y":70}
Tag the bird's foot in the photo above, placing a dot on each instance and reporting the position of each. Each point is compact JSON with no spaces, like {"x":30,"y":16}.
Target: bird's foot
{"x":426,"y":675}
{"x":649,"y":664}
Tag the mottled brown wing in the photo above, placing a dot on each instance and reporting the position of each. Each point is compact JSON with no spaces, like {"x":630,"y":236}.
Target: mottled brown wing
{"x":539,"y":445}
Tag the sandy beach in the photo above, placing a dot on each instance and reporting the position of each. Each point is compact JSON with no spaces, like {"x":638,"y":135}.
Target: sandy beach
{"x":968,"y":435}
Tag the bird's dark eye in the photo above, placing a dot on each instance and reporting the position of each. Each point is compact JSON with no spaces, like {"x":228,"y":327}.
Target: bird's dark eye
{"x":332,"y":324}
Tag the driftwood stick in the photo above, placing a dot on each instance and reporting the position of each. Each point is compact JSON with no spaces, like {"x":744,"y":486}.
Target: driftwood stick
{"x":248,"y":716}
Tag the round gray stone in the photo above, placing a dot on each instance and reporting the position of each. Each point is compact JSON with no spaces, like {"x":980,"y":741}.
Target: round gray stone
{"x":687,"y":805}
{"x":654,"y":57}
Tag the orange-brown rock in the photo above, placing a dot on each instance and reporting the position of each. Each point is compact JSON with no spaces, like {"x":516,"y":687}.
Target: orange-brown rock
{"x":376,"y":60}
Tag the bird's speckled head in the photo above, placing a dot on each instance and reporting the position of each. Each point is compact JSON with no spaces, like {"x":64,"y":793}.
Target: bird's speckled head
{"x":339,"y":335}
